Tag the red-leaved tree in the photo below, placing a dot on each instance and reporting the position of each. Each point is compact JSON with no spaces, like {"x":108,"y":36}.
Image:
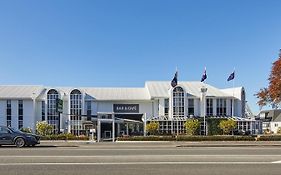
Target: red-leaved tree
{"x":272,"y":94}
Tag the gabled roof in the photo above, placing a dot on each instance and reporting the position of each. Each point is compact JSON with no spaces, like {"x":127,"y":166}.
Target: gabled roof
{"x":19,"y":91}
{"x":233,"y":91}
{"x":159,"y":89}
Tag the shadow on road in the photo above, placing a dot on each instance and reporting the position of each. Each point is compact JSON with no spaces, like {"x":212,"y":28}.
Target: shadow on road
{"x":40,"y":146}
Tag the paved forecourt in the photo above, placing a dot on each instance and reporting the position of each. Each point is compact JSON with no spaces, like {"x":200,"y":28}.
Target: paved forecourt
{"x":140,"y":158}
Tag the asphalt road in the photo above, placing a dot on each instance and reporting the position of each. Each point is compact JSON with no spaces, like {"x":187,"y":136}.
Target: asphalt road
{"x":140,"y":159}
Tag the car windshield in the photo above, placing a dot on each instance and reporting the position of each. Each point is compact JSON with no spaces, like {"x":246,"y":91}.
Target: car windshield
{"x":15,"y":130}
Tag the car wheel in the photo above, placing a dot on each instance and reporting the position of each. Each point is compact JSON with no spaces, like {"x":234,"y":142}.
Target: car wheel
{"x":20,"y":142}
{"x":33,"y":145}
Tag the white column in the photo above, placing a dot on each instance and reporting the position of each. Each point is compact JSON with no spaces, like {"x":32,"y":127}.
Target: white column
{"x":113,"y":128}
{"x":98,"y":130}
{"x":144,"y":125}
{"x":69,"y":121}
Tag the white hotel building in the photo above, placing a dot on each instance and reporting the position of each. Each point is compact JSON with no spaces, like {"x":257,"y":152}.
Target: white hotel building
{"x":88,"y":107}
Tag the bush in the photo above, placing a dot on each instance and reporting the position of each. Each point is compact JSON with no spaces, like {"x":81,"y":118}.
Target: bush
{"x":43,"y":128}
{"x":188,"y":138}
{"x":148,"y":138}
{"x":227,"y":125}
{"x":26,"y":130}
{"x":213,"y":126}
{"x":270,"y":138}
{"x":152,"y":127}
{"x":192,"y":126}
{"x":215,"y":138}
{"x":67,"y":136}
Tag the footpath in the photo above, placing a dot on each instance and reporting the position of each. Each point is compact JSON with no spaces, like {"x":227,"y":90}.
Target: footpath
{"x":74,"y":143}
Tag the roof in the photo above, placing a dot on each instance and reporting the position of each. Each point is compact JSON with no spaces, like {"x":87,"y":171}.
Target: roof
{"x":273,"y":115}
{"x":117,"y":93}
{"x":159,"y":89}
{"x":19,"y":91}
{"x":152,"y":89}
{"x":236,"y":92}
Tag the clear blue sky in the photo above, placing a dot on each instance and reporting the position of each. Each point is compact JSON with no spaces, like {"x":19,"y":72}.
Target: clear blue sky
{"x":125,"y":43}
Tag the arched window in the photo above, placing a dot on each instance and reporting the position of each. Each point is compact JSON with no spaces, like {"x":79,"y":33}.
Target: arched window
{"x":75,"y":111}
{"x":52,"y":114}
{"x":178,"y":102}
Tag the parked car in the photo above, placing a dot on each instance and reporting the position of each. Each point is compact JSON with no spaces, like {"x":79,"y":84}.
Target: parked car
{"x":10,"y":136}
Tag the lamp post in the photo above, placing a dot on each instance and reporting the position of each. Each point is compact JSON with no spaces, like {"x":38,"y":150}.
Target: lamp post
{"x":203,"y":106}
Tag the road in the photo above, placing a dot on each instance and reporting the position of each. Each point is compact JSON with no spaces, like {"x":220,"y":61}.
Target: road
{"x":139,"y":158}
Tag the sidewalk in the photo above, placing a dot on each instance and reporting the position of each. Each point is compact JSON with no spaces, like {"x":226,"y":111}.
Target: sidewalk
{"x":79,"y":143}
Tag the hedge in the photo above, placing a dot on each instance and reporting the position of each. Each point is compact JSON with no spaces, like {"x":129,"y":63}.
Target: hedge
{"x":64,"y":137}
{"x":269,"y":138}
{"x":188,"y":138}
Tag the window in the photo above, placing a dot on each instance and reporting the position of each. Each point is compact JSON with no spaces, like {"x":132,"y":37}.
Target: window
{"x":75,"y":111}
{"x":43,"y":111}
{"x":178,"y":102}
{"x":221,"y":107}
{"x":209,"y":106}
{"x":166,"y":112}
{"x":20,"y":114}
{"x":89,"y":110}
{"x":3,"y":130}
{"x":52,"y":114}
{"x":9,"y":113}
{"x":190,"y":107}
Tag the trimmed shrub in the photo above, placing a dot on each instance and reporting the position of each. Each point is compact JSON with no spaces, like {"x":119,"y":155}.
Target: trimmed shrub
{"x":67,"y":136}
{"x":188,"y":138}
{"x":213,"y":126}
{"x":269,"y":138}
{"x":215,"y":138}
{"x":152,"y":127}
{"x":192,"y":126}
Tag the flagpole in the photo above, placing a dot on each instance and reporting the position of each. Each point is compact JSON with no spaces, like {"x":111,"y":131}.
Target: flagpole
{"x":233,"y":82}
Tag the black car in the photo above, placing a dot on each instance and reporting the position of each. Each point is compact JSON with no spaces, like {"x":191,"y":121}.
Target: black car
{"x":10,"y":136}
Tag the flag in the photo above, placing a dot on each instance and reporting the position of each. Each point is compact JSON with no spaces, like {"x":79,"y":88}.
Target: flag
{"x":231,"y":76}
{"x":174,"y":82}
{"x":204,"y":76}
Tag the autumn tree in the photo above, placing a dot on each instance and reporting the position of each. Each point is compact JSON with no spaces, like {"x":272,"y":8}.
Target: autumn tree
{"x":272,"y":94}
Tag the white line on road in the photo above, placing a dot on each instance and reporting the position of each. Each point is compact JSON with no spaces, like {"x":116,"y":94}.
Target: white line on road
{"x":150,"y":155}
{"x":277,"y":162}
{"x":137,"y":163}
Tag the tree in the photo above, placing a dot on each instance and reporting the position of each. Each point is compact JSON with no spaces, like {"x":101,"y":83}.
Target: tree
{"x":192,"y":126}
{"x":272,"y":94}
{"x":227,"y":125}
{"x":43,"y":128}
{"x":152,"y":127}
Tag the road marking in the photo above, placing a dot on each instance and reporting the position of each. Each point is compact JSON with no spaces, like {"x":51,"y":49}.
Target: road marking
{"x":137,"y":163}
{"x":150,"y":155}
{"x":277,"y":162}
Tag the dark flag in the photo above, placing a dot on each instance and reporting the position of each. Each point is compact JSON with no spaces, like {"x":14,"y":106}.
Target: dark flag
{"x":231,"y":76}
{"x":204,"y":76}
{"x":174,"y":82}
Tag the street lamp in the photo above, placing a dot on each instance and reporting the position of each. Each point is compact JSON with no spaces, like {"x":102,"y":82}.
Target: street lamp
{"x":203,"y":106}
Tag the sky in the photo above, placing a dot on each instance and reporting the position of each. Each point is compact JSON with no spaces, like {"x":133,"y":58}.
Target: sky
{"x":124,"y":43}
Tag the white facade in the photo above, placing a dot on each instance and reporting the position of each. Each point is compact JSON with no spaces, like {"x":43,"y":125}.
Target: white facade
{"x":153,"y":100}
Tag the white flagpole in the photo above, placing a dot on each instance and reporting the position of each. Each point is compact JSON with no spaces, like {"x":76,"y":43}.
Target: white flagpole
{"x":233,"y":82}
